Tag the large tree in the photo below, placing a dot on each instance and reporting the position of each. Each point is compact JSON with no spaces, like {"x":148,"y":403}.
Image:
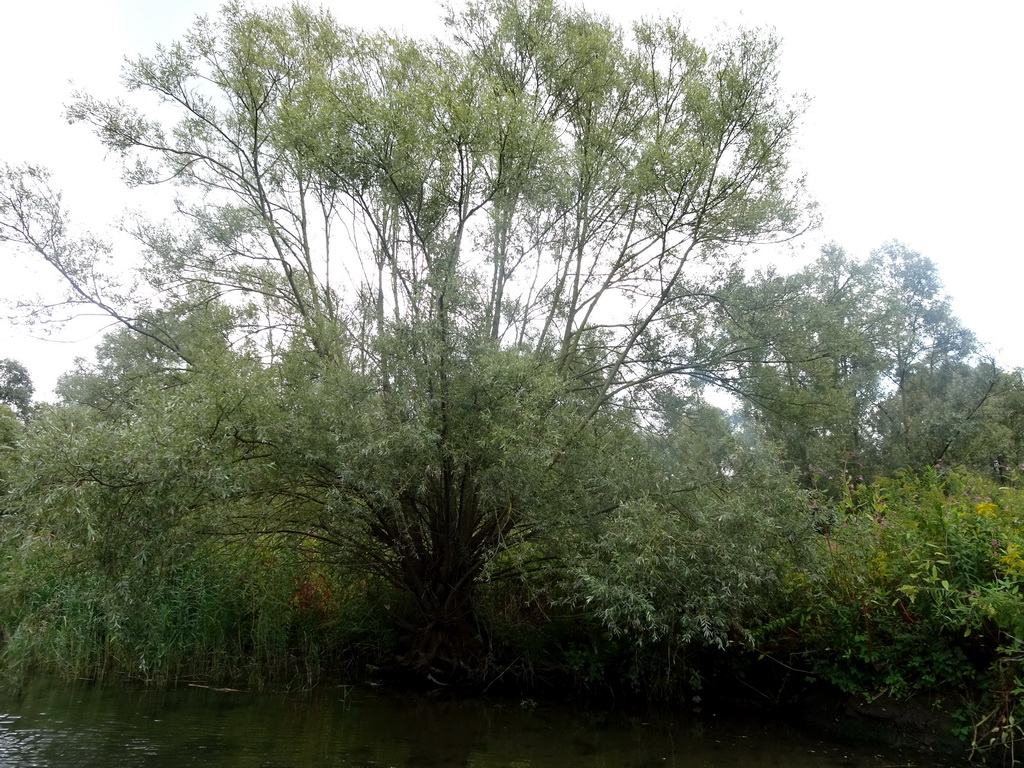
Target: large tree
{"x":465,"y":263}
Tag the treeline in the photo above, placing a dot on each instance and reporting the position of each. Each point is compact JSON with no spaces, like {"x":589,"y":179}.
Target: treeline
{"x":417,"y":375}
{"x":876,"y":374}
{"x":168,"y":519}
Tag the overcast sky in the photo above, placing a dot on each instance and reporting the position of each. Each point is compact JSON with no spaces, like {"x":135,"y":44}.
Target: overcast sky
{"x":913,"y":132}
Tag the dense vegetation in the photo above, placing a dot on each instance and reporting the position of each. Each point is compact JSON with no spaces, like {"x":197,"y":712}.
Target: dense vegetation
{"x":417,"y":375}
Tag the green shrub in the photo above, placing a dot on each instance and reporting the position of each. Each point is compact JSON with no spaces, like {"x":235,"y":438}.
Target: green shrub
{"x":918,"y":589}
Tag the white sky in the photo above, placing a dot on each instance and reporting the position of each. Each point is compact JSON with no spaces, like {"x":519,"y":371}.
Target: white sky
{"x":913,"y":133}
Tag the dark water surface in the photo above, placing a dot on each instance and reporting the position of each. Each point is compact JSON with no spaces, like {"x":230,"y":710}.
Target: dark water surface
{"x":57,"y":725}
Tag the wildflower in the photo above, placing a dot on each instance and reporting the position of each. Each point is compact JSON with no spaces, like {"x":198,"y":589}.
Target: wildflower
{"x":1012,"y":560}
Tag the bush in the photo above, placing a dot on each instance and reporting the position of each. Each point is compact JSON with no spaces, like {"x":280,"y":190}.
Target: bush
{"x":919,"y":590}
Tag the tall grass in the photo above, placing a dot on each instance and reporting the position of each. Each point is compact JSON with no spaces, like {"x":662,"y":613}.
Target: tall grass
{"x":224,"y":610}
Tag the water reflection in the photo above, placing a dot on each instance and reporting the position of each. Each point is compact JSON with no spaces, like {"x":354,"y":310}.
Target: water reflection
{"x":85,"y":726}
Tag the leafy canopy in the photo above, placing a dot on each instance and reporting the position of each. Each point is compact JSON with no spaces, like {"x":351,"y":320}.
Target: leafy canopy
{"x":465,"y":267}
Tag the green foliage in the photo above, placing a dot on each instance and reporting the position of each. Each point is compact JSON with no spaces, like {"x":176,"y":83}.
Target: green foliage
{"x":865,"y":368}
{"x":701,"y":558}
{"x":919,"y":590}
{"x":11,"y":430}
{"x":469,"y":433}
{"x":814,"y":395}
{"x":123,"y":548}
{"x":16,"y":387}
{"x":541,"y":208}
{"x":120,"y":555}
{"x":957,"y":414}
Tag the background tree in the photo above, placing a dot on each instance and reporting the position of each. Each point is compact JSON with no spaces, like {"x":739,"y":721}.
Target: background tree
{"x":957,"y":414}
{"x":919,"y":332}
{"x":873,"y":371}
{"x":814,"y":399}
{"x":15,"y":407}
{"x":16,"y":387}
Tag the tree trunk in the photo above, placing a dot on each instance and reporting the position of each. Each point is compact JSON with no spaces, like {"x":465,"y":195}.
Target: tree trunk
{"x":440,"y":549}
{"x":443,"y":640}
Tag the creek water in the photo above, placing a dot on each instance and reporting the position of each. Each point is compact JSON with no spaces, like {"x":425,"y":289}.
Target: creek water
{"x":58,"y":725}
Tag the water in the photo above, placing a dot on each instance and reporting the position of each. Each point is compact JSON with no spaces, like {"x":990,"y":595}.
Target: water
{"x":49,"y":725}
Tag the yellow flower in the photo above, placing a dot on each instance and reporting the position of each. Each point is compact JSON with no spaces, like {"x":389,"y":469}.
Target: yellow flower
{"x":986,"y":509}
{"x":1012,"y":560}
